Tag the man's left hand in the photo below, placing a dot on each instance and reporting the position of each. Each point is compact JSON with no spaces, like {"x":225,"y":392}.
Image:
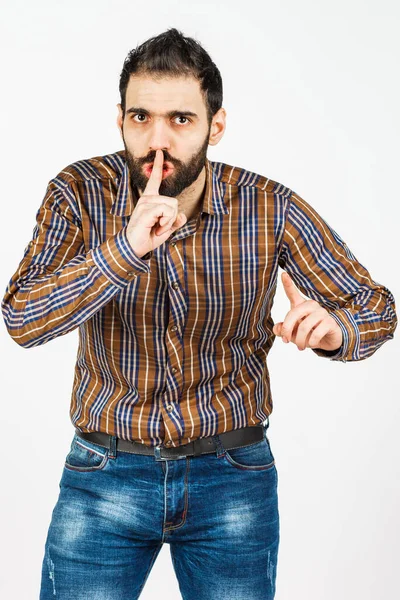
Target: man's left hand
{"x":307,"y":324}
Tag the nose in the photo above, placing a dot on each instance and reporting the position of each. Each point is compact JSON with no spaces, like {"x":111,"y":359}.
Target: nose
{"x":159,"y":136}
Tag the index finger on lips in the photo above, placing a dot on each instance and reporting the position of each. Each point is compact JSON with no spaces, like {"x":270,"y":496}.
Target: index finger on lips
{"x":153,"y":184}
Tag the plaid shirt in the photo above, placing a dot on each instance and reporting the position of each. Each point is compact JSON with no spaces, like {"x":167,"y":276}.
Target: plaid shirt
{"x":173,"y":345}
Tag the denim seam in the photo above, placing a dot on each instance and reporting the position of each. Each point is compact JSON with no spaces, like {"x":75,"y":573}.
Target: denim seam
{"x":249,"y":467}
{"x":183,"y":521}
{"x":98,"y":467}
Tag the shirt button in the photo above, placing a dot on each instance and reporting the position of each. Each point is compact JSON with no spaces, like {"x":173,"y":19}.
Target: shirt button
{"x":169,"y":443}
{"x":173,"y":243}
{"x":174,"y":370}
{"x":170,"y":408}
{"x":173,"y":328}
{"x":132,"y":274}
{"x":175,"y":285}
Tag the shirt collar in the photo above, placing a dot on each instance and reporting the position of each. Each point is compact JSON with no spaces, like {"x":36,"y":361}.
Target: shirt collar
{"x":213,"y":201}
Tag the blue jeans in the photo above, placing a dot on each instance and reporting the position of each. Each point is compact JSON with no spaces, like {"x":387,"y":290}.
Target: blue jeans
{"x":218,"y":512}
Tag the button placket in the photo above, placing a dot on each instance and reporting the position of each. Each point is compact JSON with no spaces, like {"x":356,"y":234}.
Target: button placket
{"x":170,"y":403}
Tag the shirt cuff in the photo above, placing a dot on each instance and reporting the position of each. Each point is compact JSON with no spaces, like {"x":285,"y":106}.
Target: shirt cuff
{"x":351,"y":337}
{"x":116,"y":259}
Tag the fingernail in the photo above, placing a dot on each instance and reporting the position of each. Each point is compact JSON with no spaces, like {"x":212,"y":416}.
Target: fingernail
{"x":284,"y":339}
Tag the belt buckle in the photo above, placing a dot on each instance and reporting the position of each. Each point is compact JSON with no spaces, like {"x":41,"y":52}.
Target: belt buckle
{"x":159,"y":456}
{"x":157,"y":453}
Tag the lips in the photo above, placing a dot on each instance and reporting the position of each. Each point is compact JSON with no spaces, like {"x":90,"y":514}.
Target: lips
{"x":168,"y":168}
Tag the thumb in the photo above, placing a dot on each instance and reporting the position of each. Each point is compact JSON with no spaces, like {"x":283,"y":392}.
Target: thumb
{"x":181,"y":219}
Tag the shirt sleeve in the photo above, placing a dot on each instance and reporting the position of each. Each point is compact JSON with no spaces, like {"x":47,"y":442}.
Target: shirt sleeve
{"x":58,"y":285}
{"x":324,"y":269}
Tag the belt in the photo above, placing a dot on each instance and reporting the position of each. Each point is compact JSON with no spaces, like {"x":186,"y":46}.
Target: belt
{"x":230,"y":439}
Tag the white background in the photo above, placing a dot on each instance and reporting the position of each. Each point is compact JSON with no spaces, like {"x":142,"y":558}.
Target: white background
{"x":312,"y":96}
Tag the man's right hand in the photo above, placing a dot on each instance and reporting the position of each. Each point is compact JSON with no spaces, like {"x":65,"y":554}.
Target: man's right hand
{"x":155,"y":217}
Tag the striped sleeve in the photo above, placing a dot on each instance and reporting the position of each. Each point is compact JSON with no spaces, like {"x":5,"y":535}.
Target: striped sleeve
{"x":324,"y":269}
{"x":58,"y":285}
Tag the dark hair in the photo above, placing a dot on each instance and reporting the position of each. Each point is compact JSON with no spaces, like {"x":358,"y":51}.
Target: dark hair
{"x":173,"y":54}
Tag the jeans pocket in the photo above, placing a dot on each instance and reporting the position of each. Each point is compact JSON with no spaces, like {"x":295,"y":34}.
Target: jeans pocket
{"x":254,"y":457}
{"x":86,"y":456}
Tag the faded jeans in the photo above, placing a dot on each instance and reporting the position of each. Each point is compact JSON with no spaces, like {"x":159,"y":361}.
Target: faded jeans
{"x":218,"y":512}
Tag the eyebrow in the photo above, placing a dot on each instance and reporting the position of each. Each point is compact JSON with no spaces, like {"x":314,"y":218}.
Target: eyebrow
{"x":170,"y":114}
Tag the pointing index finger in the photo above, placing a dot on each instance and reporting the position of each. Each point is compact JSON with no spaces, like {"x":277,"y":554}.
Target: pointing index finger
{"x":155,"y":178}
{"x":291,"y":291}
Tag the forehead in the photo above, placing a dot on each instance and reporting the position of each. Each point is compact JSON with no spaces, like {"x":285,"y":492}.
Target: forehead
{"x":165,"y":93}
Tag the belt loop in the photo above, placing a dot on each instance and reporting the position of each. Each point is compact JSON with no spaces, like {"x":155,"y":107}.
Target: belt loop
{"x":220,"y":450}
{"x":113,"y":446}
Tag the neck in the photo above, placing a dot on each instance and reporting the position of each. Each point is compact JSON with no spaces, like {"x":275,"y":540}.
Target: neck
{"x":191,"y":199}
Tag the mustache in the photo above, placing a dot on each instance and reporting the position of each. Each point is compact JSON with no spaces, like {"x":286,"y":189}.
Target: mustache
{"x":151,"y":158}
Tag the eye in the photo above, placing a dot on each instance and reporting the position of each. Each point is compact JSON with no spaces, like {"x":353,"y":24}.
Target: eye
{"x":139,"y":115}
{"x":183,"y":117}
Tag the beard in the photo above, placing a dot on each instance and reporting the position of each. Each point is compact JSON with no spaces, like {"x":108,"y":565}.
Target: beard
{"x":184,"y":174}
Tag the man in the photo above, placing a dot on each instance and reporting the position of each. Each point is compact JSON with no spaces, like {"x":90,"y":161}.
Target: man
{"x":167,"y":262}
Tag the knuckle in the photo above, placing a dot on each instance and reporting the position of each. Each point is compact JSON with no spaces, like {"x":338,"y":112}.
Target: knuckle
{"x":303,"y":327}
{"x":167,"y":210}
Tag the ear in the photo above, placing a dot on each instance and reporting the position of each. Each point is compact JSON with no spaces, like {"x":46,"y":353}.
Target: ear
{"x":218,"y":126}
{"x":120,"y":120}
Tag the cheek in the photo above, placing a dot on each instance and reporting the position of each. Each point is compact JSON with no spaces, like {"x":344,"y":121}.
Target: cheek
{"x":133,"y":136}
{"x":186,"y":150}
{"x":135,"y":146}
